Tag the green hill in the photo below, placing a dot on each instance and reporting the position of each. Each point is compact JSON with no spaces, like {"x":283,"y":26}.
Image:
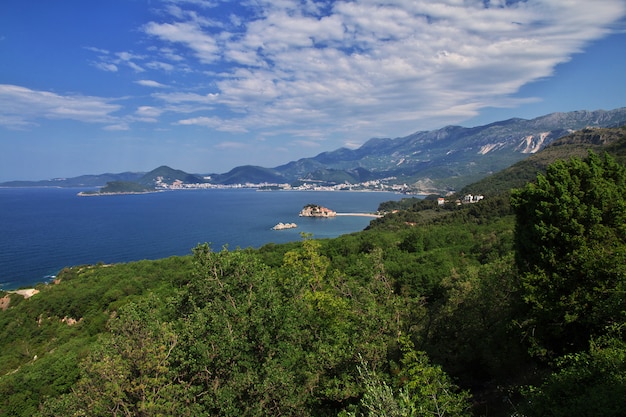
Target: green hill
{"x":124,"y":187}
{"x":249,"y":174}
{"x":167,"y":175}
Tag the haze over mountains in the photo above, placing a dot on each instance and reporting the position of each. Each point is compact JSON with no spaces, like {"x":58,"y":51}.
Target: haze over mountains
{"x":440,"y":160}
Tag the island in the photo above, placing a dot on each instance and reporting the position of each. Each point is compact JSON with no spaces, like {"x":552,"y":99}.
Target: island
{"x":314,"y":210}
{"x":283,"y":226}
{"x":119,"y":187}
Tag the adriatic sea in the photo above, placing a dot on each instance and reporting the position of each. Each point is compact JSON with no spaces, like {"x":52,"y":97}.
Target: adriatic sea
{"x":43,"y":230}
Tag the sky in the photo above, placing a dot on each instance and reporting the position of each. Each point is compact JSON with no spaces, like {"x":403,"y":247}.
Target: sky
{"x":204,"y":86}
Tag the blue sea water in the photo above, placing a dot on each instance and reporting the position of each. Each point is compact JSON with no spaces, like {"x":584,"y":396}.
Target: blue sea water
{"x":43,"y":230}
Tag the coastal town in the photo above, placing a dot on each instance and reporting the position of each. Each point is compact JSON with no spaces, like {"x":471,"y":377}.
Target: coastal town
{"x":374,"y":185}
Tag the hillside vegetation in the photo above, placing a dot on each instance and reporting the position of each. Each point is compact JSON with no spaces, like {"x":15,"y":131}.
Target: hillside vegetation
{"x":509,"y":306}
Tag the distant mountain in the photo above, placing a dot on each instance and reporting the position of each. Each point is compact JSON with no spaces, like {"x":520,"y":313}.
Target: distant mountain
{"x":443,"y":159}
{"x":248,"y":174}
{"x":167,"y":175}
{"x":81,"y":181}
{"x":428,"y":161}
{"x":449,"y":157}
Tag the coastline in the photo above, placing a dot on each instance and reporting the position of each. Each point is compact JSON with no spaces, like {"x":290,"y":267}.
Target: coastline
{"x":88,"y":194}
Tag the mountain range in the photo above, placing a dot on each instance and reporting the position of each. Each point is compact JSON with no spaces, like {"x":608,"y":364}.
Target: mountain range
{"x":440,"y":160}
{"x":574,"y":145}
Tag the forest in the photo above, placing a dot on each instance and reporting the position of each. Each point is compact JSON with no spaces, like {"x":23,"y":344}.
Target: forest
{"x":511,"y":306}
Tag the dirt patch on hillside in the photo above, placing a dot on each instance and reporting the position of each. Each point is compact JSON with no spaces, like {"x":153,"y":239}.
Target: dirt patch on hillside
{"x":5,"y":302}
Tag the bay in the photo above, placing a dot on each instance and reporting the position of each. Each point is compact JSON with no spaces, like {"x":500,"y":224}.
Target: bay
{"x":43,"y":230}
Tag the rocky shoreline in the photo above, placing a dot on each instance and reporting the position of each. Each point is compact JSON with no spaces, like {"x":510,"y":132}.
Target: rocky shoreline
{"x":283,"y":226}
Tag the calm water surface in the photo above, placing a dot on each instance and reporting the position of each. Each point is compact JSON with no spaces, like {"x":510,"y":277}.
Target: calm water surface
{"x":43,"y":230}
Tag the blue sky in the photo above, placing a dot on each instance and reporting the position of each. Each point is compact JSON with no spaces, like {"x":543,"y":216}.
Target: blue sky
{"x":208,"y":85}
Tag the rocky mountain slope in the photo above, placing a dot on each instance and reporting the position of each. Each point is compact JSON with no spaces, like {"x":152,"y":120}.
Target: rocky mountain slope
{"x":577,"y":144}
{"x":449,"y":157}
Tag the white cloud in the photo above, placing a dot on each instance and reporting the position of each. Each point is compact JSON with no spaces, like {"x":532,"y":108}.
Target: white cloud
{"x":147,"y":114}
{"x":201,"y":3}
{"x":111,"y":62}
{"x":119,"y":127}
{"x":158,"y":65}
{"x":128,"y":58}
{"x":15,"y":122}
{"x":188,"y":33}
{"x":148,"y":111}
{"x":364,"y":65}
{"x":150,"y":83}
{"x":222,"y":125}
{"x":186,"y":97}
{"x":97,"y":50}
{"x":135,"y":67}
{"x":316,"y":69}
{"x":171,"y":54}
{"x":106,"y":66}
{"x":21,"y":107}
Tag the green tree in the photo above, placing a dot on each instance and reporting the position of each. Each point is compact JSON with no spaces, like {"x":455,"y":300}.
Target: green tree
{"x":426,"y":389}
{"x":379,"y":398}
{"x":470,"y":331}
{"x":128,"y":372}
{"x":570,"y":242}
{"x":347,"y":318}
{"x":240,"y":338}
{"x":591,"y":383}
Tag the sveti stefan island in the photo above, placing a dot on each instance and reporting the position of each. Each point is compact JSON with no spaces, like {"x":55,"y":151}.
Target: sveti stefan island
{"x":320,"y":208}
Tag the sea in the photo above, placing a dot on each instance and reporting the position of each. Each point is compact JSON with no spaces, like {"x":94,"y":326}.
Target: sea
{"x":43,"y":230}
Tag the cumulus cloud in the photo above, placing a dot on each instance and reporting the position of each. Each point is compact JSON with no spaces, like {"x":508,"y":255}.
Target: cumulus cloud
{"x":21,"y":107}
{"x":369,"y":65}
